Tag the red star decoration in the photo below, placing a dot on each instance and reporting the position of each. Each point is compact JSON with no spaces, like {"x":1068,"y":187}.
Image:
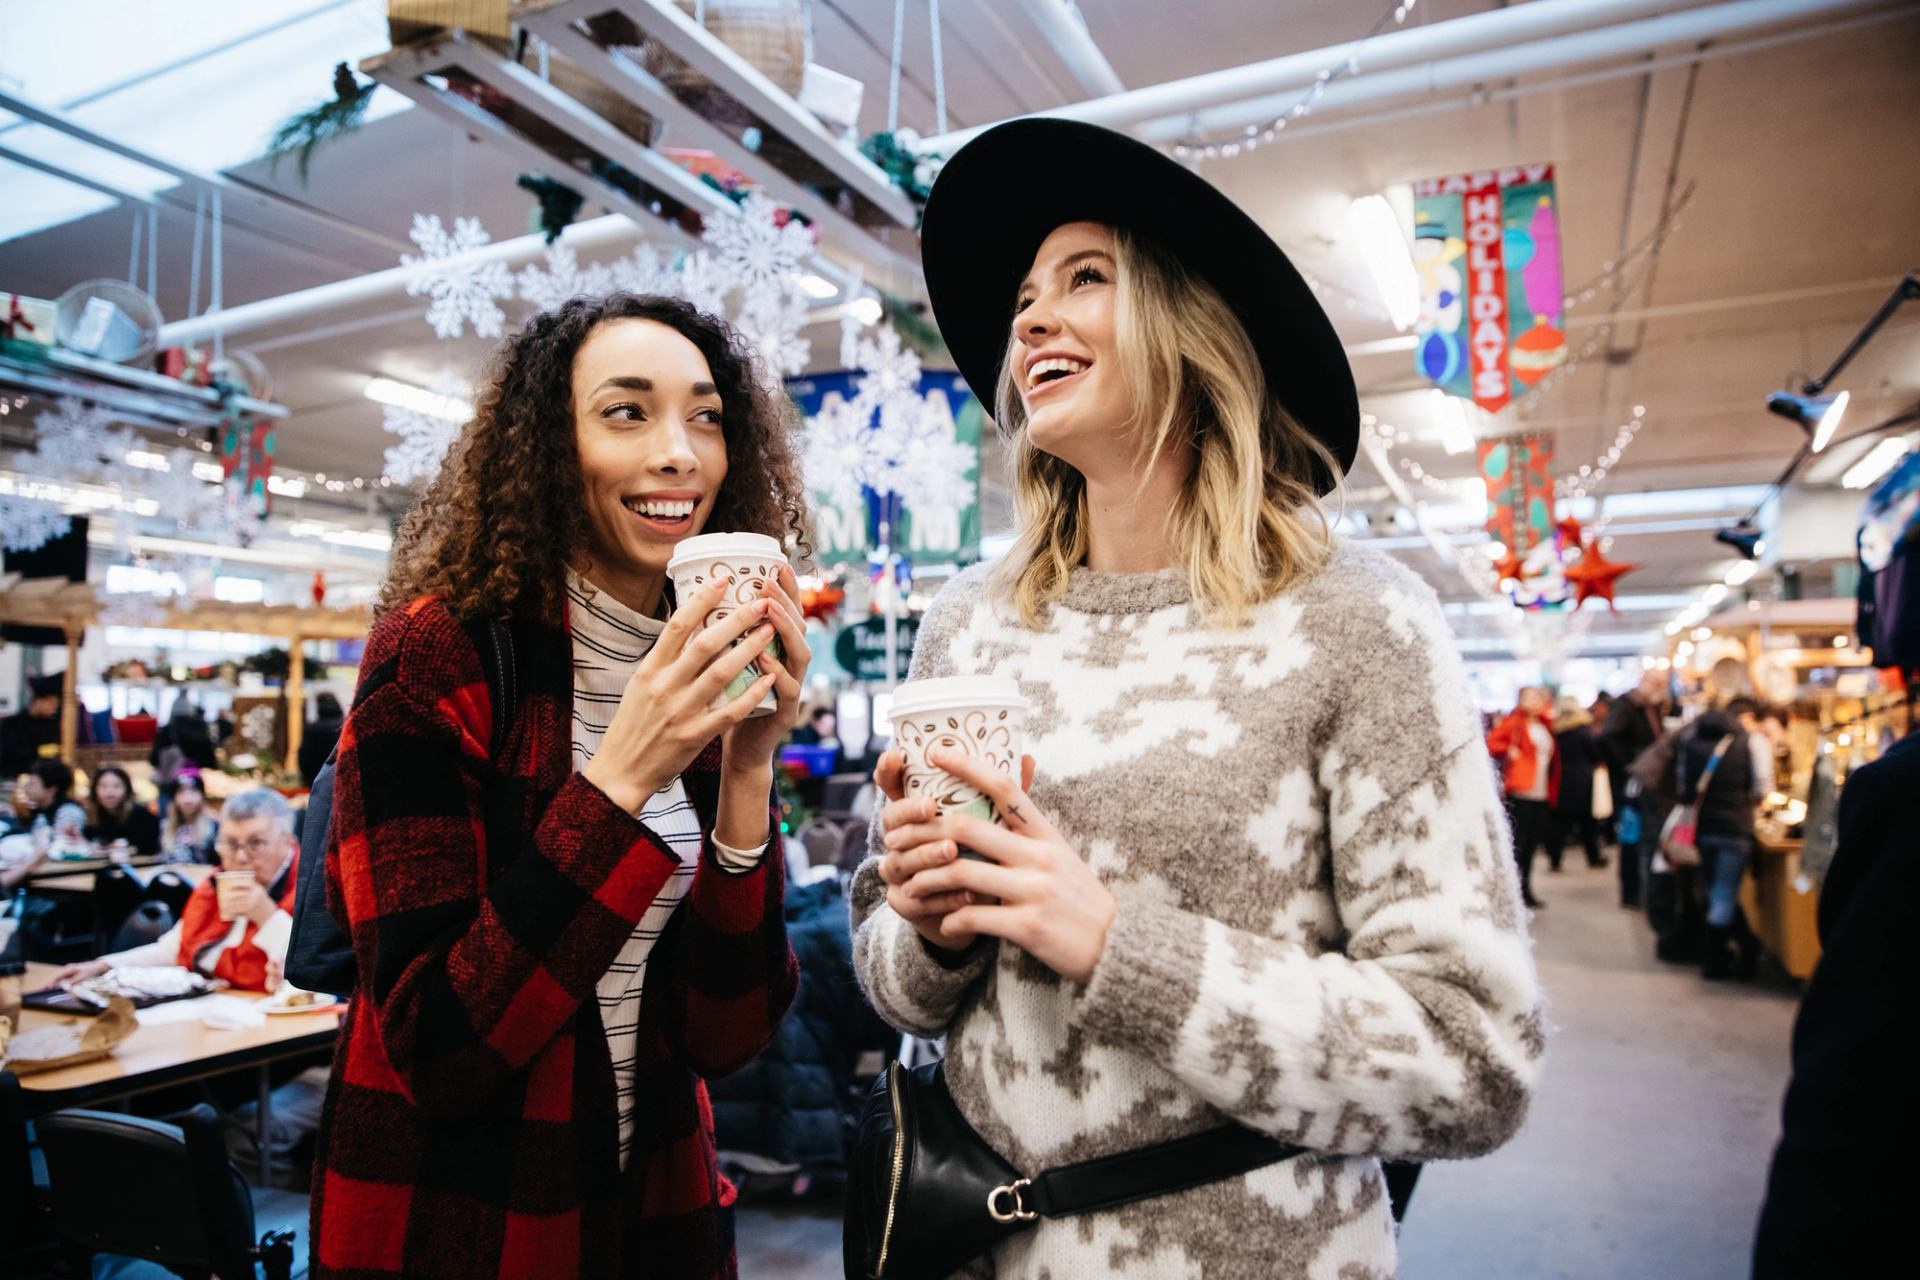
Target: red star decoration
{"x":1508,"y":566}
{"x":1569,"y":530}
{"x":1593,"y":576}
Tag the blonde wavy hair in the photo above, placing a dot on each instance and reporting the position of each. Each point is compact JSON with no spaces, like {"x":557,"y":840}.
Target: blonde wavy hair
{"x":1249,"y":522}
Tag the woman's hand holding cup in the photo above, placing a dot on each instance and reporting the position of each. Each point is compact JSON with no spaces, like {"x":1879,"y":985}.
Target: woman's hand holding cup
{"x":915,"y":842}
{"x":750,"y":743}
{"x":665,"y":717}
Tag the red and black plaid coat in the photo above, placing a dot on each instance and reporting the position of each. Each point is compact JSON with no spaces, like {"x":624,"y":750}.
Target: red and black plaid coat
{"x":470,"y":1125}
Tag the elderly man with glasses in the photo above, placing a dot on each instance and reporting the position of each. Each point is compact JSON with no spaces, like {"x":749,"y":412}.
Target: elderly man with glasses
{"x":256,"y":836}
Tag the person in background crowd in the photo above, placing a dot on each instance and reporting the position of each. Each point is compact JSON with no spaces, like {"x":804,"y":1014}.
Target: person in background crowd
{"x":322,"y":732}
{"x":47,"y":784}
{"x":1725,"y":822}
{"x":256,"y":837}
{"x":1529,"y":759}
{"x":182,"y":741}
{"x":1842,"y":1179}
{"x":1600,"y":708}
{"x":1579,"y":752}
{"x":113,"y":814}
{"x":541,"y":990}
{"x":818,"y":729}
{"x":27,"y":734}
{"x":1635,"y":722}
{"x":189,"y":831}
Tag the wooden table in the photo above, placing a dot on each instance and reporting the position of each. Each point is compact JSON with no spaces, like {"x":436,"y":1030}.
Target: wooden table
{"x":1782,"y":912}
{"x":155,"y":1057}
{"x":53,"y":870}
{"x":82,"y":881}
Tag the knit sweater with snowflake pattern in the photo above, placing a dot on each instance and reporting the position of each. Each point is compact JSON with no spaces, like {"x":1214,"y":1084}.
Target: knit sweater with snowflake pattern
{"x":1318,"y":935}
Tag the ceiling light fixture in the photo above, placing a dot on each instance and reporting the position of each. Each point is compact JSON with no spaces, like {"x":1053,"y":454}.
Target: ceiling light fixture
{"x":404,"y":395}
{"x":1741,"y":571}
{"x":1742,"y":537}
{"x":1384,"y":245}
{"x":1450,"y":415}
{"x":1818,"y":416}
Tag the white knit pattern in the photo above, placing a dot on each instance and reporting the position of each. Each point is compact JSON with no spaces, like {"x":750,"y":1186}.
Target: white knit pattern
{"x":1318,"y":935}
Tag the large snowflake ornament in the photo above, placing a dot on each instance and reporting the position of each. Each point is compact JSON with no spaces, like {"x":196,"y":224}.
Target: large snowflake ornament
{"x":836,"y":454}
{"x":77,"y":443}
{"x":27,"y":524}
{"x":704,"y":281}
{"x":762,"y":248}
{"x":463,"y":290}
{"x":562,"y":277}
{"x":771,"y":329}
{"x":892,"y":369}
{"x":424,"y":437}
{"x":933,"y":468}
{"x":646,"y":271}
{"x":190,"y":504}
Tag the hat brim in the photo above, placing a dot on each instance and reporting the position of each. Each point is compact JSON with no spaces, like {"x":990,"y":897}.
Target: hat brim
{"x":1005,"y":191}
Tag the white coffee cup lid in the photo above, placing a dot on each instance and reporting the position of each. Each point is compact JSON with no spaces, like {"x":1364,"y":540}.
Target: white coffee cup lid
{"x":711,"y":546}
{"x":942,"y":692}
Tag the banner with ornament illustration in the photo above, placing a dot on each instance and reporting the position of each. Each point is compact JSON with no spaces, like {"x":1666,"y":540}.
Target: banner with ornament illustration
{"x":1487,"y":249}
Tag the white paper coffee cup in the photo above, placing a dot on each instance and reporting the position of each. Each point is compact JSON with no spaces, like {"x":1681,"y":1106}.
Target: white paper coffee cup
{"x":752,"y":560}
{"x":983,"y":717}
{"x":230,"y":891}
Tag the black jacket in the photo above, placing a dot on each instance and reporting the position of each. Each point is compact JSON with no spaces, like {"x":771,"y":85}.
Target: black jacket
{"x":1627,"y":732}
{"x":1727,"y":807}
{"x":1842,"y":1176}
{"x":794,"y":1103}
{"x":140,"y":829}
{"x":1579,"y":753}
{"x":316,"y":744}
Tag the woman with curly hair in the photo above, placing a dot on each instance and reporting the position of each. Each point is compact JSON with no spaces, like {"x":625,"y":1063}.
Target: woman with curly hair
{"x":561,"y":904}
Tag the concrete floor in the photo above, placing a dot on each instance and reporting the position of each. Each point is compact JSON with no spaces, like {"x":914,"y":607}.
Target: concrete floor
{"x":1645,"y":1154}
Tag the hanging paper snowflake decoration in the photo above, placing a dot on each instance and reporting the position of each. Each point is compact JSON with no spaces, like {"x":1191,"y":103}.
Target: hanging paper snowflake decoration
{"x":424,"y":437}
{"x":835,"y":453}
{"x":463,"y":291}
{"x":27,"y":524}
{"x":934,"y":469}
{"x":889,"y":437}
{"x":772,"y":330}
{"x":703,"y":280}
{"x":646,"y":271}
{"x":187,"y":502}
{"x":77,"y":443}
{"x":892,"y":369}
{"x":562,"y":277}
{"x":760,"y":250}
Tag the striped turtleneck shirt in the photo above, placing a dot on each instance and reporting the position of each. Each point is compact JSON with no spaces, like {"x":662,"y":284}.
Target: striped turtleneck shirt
{"x":609,"y":640}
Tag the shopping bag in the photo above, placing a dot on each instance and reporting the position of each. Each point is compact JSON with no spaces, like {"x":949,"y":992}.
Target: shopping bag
{"x":1602,"y":794}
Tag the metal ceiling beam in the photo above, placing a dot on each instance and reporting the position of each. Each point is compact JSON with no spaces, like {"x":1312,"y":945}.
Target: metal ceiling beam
{"x":1061,"y":22}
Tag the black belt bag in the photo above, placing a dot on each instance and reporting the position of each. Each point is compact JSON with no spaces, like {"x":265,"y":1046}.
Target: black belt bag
{"x":926,"y":1194}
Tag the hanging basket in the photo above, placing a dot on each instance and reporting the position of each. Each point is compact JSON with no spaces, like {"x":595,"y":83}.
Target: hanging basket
{"x":771,"y":35}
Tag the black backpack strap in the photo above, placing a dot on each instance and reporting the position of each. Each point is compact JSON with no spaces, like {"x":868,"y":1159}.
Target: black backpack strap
{"x":1157,"y":1170}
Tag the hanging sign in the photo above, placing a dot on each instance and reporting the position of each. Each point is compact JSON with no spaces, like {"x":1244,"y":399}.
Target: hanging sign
{"x":1487,"y":249}
{"x":846,"y":527}
{"x":861,"y":648}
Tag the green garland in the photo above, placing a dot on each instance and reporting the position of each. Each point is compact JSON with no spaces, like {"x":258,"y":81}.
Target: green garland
{"x":300,"y":134}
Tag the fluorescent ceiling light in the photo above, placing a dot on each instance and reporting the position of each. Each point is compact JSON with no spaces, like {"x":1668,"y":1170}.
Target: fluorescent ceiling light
{"x":1384,"y":245}
{"x":209,"y":471}
{"x":865,"y":310}
{"x":1741,"y":571}
{"x":148,"y":461}
{"x":404,"y":395}
{"x":818,"y":286}
{"x":1877,"y":463}
{"x":1714,"y":594}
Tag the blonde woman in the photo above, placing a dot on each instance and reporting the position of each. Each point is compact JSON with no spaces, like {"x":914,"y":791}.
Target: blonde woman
{"x":1258,"y":872}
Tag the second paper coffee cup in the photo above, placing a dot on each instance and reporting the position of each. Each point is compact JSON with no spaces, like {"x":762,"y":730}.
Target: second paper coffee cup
{"x":983,"y":717}
{"x":752,"y":560}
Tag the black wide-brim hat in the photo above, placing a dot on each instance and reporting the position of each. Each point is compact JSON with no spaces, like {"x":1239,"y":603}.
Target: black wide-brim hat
{"x":1005,"y":192}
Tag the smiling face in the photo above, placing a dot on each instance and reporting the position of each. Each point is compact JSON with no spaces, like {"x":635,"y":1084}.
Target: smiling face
{"x":647,"y":421}
{"x":109,"y":789}
{"x":1064,"y":353}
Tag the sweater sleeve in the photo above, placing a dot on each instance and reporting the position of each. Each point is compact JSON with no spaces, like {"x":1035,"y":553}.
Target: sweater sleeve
{"x":469,"y":978}
{"x":914,"y":988}
{"x":1416,"y":1040}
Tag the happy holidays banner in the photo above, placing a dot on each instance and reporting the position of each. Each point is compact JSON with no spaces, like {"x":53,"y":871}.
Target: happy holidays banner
{"x":1487,"y":248}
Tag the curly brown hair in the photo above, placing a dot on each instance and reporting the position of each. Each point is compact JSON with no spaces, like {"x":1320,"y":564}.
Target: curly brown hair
{"x":496,"y":530}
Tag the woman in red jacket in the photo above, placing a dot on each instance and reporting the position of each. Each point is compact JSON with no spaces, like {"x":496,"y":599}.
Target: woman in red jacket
{"x":556,"y":939}
{"x":1529,"y":759}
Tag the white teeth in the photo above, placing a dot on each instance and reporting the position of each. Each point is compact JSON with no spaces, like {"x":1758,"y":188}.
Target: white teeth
{"x":1061,"y":364}
{"x":663,"y":510}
